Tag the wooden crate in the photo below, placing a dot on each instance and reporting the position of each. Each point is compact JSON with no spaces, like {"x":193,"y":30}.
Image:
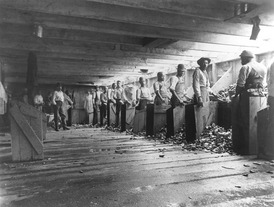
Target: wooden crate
{"x":175,"y":119}
{"x":156,"y":118}
{"x":28,"y":130}
{"x":197,"y":118}
{"x":265,"y":134}
{"x":130,"y":114}
{"x":244,"y":129}
{"x":139,"y":123}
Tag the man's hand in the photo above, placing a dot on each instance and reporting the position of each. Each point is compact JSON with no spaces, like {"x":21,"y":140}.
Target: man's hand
{"x":200,"y":102}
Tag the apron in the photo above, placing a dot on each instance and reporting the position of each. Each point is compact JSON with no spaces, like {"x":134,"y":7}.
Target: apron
{"x":180,"y":90}
{"x":163,"y":90}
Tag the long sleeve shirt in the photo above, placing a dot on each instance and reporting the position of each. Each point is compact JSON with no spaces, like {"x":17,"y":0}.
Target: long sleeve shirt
{"x":57,"y":96}
{"x":259,"y":69}
{"x":200,"y":79}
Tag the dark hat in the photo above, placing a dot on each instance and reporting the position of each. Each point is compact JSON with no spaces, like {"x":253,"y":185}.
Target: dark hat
{"x":180,"y":66}
{"x":202,"y":59}
{"x":247,"y":53}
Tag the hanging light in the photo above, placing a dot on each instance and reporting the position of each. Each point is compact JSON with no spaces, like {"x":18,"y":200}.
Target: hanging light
{"x":38,"y":30}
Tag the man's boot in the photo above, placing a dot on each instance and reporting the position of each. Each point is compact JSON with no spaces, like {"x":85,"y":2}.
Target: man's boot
{"x":64,"y":125}
{"x":56,"y":127}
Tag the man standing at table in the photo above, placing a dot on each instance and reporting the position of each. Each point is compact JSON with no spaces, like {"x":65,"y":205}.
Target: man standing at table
{"x":201,"y":85}
{"x":177,"y":86}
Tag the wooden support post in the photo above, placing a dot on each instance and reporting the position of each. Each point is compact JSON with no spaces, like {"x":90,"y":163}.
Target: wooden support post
{"x":150,"y":120}
{"x":123,"y":117}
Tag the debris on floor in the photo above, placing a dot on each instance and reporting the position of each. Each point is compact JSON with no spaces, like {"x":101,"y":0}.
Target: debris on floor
{"x":214,"y":139}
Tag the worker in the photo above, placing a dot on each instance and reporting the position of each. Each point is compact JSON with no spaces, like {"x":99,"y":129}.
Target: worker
{"x":103,"y":107}
{"x":177,"y":87}
{"x":111,"y":93}
{"x":38,"y":100}
{"x":89,"y":107}
{"x":111,"y":107}
{"x":97,"y":104}
{"x":69,"y":96}
{"x":143,"y":96}
{"x":161,"y":90}
{"x":252,"y":75}
{"x":201,"y":85}
{"x":118,"y":96}
{"x":67,"y":105}
{"x":250,"y":80}
{"x":57,"y":101}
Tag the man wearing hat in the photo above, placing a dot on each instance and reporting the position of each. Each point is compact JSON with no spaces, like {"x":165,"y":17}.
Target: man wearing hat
{"x":201,"y":85}
{"x":252,"y":74}
{"x":57,"y":101}
{"x":177,"y":86}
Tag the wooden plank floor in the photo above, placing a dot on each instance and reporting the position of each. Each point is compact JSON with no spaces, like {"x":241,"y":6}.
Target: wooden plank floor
{"x":95,"y":167}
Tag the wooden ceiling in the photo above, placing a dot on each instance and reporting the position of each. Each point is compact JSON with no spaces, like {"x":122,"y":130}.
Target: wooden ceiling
{"x":102,"y":41}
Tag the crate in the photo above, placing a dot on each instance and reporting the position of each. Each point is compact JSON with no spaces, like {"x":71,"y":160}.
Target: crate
{"x":28,"y":130}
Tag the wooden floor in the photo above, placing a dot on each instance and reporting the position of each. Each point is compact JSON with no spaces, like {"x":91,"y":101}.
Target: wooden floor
{"x":95,"y":167}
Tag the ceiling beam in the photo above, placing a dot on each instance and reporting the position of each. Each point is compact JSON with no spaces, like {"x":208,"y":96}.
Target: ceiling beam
{"x":34,"y":44}
{"x":209,"y":8}
{"x":23,"y":54}
{"x":69,"y":34}
{"x":221,"y":48}
{"x":258,"y":2}
{"x":157,"y":32}
{"x":69,"y":9}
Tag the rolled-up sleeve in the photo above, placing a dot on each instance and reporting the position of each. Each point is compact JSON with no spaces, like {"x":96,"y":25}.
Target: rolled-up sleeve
{"x":243,"y":74}
{"x":196,"y":83}
{"x":53,"y":98}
